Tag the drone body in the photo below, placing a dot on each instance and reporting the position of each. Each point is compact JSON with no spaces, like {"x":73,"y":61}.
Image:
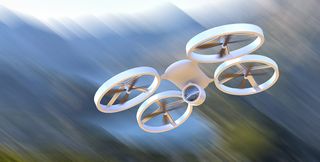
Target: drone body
{"x":186,"y":71}
{"x":239,"y":74}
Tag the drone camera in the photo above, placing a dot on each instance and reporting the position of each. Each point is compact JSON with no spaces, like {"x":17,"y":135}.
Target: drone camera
{"x":193,"y":94}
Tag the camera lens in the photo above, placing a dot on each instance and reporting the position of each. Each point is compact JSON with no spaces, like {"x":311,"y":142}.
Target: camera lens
{"x":191,"y":93}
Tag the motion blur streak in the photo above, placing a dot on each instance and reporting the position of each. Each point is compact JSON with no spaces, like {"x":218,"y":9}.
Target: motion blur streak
{"x":50,"y":71}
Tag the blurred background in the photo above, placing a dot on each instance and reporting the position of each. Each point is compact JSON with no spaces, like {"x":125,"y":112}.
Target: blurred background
{"x":54,"y":55}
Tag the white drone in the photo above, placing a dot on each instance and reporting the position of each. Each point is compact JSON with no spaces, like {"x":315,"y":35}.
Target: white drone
{"x":239,"y":74}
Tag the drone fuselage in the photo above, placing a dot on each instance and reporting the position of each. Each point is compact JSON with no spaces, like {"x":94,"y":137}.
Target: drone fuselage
{"x":184,"y":72}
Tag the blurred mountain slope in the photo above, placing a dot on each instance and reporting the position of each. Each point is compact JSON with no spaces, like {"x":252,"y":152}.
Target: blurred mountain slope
{"x":49,"y":78}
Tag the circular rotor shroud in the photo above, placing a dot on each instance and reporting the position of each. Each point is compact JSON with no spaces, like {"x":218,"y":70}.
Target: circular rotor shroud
{"x":203,"y":37}
{"x":268,"y":63}
{"x":120,"y":78}
{"x":155,"y":98}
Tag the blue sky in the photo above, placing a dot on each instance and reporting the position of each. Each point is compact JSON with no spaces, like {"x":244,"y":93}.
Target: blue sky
{"x":46,"y":9}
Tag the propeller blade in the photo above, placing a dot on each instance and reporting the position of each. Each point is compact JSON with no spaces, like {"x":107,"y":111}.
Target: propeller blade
{"x":165,"y":119}
{"x":209,"y":45}
{"x":242,"y":40}
{"x":160,"y":111}
{"x":214,"y":44}
{"x":153,"y":115}
{"x":112,"y":91}
{"x":163,"y":105}
{"x":175,"y":103}
{"x":170,"y":119}
{"x":261,"y":67}
{"x":174,"y":108}
{"x":222,"y":52}
{"x":226,"y":40}
{"x":133,"y":82}
{"x":125,"y":98}
{"x":230,"y":75}
{"x":248,"y":69}
{"x":254,"y":74}
{"x":243,"y":84}
{"x":140,"y":88}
